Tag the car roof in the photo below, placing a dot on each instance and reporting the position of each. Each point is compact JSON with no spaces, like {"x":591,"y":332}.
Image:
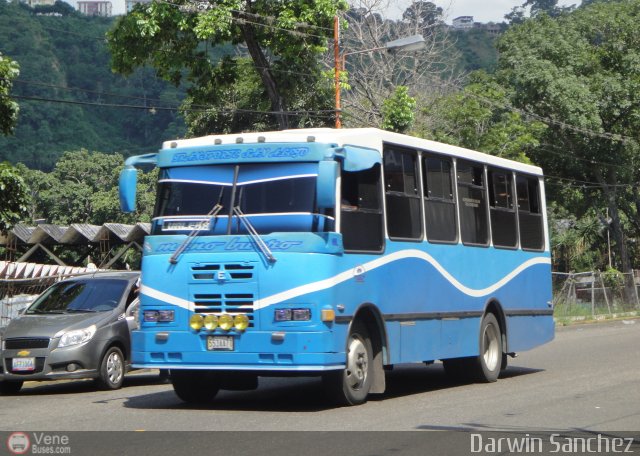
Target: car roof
{"x":100,"y":275}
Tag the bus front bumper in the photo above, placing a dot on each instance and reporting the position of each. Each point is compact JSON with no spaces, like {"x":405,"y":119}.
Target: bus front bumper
{"x":254,"y":350}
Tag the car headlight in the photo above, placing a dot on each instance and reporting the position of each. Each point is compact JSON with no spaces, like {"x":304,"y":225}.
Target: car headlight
{"x":78,"y":336}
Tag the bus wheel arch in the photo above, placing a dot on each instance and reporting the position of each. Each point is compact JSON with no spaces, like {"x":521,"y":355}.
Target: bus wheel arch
{"x":369,"y":315}
{"x":365,"y":350}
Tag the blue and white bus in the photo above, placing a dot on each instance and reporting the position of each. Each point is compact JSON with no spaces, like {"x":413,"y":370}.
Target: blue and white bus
{"x":337,"y":253}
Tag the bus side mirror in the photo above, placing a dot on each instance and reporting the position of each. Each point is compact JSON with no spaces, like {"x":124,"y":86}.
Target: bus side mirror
{"x":326,"y":184}
{"x":127,"y":189}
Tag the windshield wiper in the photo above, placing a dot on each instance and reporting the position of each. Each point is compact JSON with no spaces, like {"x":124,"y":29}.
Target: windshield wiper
{"x":264,"y":248}
{"x":80,"y":310}
{"x":212,"y":213}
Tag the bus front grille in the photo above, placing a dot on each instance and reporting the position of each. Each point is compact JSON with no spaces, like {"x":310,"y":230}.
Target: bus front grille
{"x":223,"y":272}
{"x":229,"y":303}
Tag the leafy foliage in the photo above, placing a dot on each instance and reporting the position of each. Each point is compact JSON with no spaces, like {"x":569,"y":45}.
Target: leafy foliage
{"x":479,"y":118}
{"x":13,"y":205}
{"x":283,"y":72}
{"x":398,"y":111}
{"x":83,"y":188}
{"x":8,"y":108}
{"x":580,"y":70}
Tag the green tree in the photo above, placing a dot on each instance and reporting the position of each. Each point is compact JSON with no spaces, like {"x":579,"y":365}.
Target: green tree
{"x":283,"y":41}
{"x":8,"y":108}
{"x":580,"y":71}
{"x":398,"y":111}
{"x":14,"y":201}
{"x":83,"y":188}
{"x":479,"y":118}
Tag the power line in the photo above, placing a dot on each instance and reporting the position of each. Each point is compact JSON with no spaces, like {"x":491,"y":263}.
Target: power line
{"x":317,"y":113}
{"x":94,"y":92}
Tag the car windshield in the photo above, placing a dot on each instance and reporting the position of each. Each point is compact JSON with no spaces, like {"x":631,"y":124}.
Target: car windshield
{"x":82,"y":295}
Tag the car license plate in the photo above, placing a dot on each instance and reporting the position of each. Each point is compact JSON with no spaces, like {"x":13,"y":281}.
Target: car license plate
{"x":23,"y":364}
{"x":219,"y":343}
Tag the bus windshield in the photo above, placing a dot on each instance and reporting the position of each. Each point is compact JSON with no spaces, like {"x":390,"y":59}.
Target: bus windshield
{"x":278,"y":197}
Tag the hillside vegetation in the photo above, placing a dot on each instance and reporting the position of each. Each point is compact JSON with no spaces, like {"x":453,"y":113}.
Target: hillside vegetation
{"x":64,"y":59}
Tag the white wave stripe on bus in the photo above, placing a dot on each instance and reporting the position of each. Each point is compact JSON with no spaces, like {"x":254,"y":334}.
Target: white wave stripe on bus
{"x":401,"y":255}
{"x":349,"y":274}
{"x":164,"y":297}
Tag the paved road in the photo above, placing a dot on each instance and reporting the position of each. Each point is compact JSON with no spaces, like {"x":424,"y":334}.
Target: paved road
{"x":588,"y":378}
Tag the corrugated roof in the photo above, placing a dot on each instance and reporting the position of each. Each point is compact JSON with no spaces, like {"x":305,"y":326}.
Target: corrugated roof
{"x":77,"y":234}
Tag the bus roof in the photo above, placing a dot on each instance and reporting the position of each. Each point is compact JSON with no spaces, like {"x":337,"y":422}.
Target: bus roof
{"x":365,"y":137}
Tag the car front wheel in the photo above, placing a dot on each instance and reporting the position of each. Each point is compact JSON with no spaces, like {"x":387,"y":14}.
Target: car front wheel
{"x":112,"y":367}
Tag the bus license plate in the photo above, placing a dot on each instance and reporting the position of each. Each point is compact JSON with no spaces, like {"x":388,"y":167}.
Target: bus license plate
{"x":219,"y":343}
{"x":23,"y":364}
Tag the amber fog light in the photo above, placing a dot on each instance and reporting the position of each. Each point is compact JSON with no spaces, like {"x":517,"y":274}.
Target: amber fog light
{"x":225,"y":322}
{"x":241,"y":322}
{"x":196,"y":322}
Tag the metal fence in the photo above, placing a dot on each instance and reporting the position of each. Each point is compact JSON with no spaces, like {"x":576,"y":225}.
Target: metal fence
{"x":593,"y":294}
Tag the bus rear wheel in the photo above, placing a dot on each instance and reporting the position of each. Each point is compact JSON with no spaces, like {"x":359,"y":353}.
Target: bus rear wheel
{"x":351,"y":386}
{"x":486,"y":366}
{"x":194,"y":386}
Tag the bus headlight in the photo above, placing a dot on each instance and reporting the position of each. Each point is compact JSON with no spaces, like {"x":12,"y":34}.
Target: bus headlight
{"x":196,"y":322}
{"x":225,"y":322}
{"x":241,"y":322}
{"x":292,"y":315}
{"x":210,"y":322}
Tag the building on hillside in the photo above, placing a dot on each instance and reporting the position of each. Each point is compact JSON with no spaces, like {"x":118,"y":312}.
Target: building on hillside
{"x":33,"y":3}
{"x":95,"y":8}
{"x":462,"y":23}
{"x":131,"y":3}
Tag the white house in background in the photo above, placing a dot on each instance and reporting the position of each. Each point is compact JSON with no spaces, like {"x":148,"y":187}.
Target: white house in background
{"x":462,"y":23}
{"x":95,"y":8}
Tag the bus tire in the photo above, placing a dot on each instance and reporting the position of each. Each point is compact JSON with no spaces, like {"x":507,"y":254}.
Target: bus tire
{"x":351,"y":386}
{"x":485,"y":367}
{"x":489,"y":360}
{"x":194,"y":386}
{"x":9,"y":388}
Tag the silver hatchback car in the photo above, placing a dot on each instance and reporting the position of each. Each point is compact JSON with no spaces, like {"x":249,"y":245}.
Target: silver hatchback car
{"x":77,"y":328}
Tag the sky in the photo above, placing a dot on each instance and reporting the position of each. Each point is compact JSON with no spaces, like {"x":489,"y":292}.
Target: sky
{"x":481,"y":10}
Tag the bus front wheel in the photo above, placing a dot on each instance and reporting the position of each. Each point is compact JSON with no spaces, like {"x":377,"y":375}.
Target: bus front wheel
{"x":194,"y":386}
{"x":486,"y":366}
{"x":351,"y":386}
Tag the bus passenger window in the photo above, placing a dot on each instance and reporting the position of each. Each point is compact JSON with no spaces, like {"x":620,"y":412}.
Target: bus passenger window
{"x":503,"y":213}
{"x":472,"y":201}
{"x":440,"y":204}
{"x":529,"y":213}
{"x":404,"y":213}
{"x":361,"y":211}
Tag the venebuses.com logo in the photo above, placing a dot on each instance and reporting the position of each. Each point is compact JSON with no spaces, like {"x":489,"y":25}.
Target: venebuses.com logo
{"x":18,"y":443}
{"x":38,"y":443}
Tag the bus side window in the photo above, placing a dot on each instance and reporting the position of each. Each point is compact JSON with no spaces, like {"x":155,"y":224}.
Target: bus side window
{"x":472,"y":202}
{"x":440,"y":204}
{"x":361,"y":211}
{"x":529,"y":213}
{"x":503,"y":213}
{"x":404,"y":212}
